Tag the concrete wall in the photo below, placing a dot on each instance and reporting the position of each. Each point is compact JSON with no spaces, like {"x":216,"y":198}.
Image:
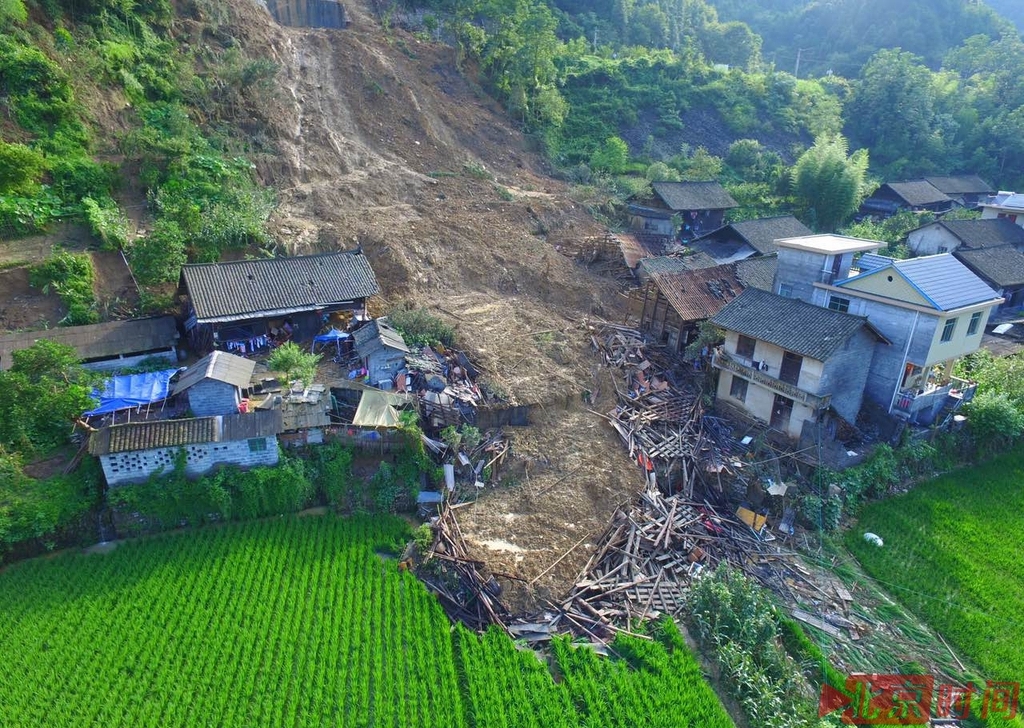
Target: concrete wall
{"x":988,"y":213}
{"x":961,"y":344}
{"x":137,"y":466}
{"x":900,"y":326}
{"x":799,"y":269}
{"x":845,"y":374}
{"x":384,"y":364}
{"x":930,"y":238}
{"x":124,"y":362}
{"x":210,"y":397}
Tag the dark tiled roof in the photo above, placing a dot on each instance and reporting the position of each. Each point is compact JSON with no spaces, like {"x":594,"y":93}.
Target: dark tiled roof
{"x":219,"y":365}
{"x":964,"y":184}
{"x":677,"y":263}
{"x":762,"y":234}
{"x":378,"y":334}
{"x":135,"y":436}
{"x":757,"y":272}
{"x":694,"y":195}
{"x":256,"y":288}
{"x":916,"y":192}
{"x":98,"y":341}
{"x":794,"y":325}
{"x":699,"y":294}
{"x":1002,"y":265}
{"x":984,"y":233}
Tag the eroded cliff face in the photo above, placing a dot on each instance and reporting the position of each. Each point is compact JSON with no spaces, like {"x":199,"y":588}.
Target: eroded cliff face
{"x":377,"y":139}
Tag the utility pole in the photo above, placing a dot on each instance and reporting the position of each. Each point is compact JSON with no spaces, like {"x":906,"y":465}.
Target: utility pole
{"x":796,"y":71}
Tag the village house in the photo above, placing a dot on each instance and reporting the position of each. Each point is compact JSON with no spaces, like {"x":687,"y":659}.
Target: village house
{"x":215,"y":384}
{"x":245,"y":305}
{"x":1002,"y":269}
{"x":916,"y":195}
{"x":133,"y":452}
{"x":933,"y":310}
{"x":966,"y":190}
{"x":111,"y":345}
{"x":741,"y":240}
{"x":676,"y":263}
{"x":1004,"y":205}
{"x":700,"y":206}
{"x":382,"y":351}
{"x":675,"y":303}
{"x":947,"y":236}
{"x":789,"y":363}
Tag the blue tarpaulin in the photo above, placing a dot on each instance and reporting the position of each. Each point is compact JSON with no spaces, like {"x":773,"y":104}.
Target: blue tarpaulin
{"x":331,"y":336}
{"x":132,"y":390}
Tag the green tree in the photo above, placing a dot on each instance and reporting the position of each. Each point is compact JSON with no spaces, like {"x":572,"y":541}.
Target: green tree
{"x":612,"y":156}
{"x":20,"y":167}
{"x":294,"y":362}
{"x":158,"y":257}
{"x":829,"y":182}
{"x":701,"y":166}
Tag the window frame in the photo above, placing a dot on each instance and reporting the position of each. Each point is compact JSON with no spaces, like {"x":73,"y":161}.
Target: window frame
{"x":843,"y":303}
{"x":786,"y":290}
{"x":974,"y":324}
{"x":258,"y":444}
{"x":733,"y":386}
{"x":741,"y":346}
{"x":948,"y":330}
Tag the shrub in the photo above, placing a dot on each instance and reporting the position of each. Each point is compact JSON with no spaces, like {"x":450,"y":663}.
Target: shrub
{"x":70,"y":276}
{"x":159,"y":256}
{"x":107,"y":222}
{"x":994,"y":422}
{"x":20,"y":168}
{"x":419,"y":327}
{"x":330,"y":469}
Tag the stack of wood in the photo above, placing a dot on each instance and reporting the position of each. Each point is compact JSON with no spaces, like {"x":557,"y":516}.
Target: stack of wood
{"x":466,"y":594}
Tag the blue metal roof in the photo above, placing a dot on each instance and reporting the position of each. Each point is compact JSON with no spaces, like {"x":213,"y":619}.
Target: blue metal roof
{"x":943,"y":280}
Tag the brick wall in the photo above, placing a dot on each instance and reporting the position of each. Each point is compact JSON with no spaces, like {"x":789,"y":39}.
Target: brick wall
{"x":137,"y":466}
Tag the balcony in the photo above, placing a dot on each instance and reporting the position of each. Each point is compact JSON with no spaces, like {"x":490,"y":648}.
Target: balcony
{"x":744,"y":367}
{"x":925,"y":403}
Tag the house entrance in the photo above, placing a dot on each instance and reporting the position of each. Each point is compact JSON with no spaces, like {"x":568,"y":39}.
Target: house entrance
{"x":782,"y":411}
{"x":790,"y":370}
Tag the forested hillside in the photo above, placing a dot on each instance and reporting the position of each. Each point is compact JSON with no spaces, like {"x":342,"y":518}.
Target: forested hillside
{"x":1009,"y":9}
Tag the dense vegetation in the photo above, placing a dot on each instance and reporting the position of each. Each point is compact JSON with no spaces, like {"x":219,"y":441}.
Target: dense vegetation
{"x":300,"y":622}
{"x":951,"y":554}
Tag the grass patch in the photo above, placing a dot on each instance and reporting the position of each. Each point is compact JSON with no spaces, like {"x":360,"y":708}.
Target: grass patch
{"x":952,"y":555}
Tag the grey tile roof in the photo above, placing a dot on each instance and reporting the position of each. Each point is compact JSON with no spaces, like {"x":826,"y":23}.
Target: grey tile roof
{"x":944,"y":281}
{"x":761,"y":234}
{"x":257,"y":288}
{"x":757,"y":272}
{"x":963,"y":184}
{"x":984,"y":233}
{"x":1001,"y":266}
{"x":135,"y":436}
{"x":378,"y":334}
{"x":97,"y":341}
{"x":694,"y":195}
{"x":676,"y":263}
{"x":916,"y":192}
{"x":794,"y":325}
{"x":219,"y":365}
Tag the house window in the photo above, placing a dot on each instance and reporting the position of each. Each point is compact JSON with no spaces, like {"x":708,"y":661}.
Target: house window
{"x":972,"y":327}
{"x":786,"y":290}
{"x":745,"y":346}
{"x":258,"y":445}
{"x":947,"y":330}
{"x":738,"y":389}
{"x":943,"y":249}
{"x":838,"y":303}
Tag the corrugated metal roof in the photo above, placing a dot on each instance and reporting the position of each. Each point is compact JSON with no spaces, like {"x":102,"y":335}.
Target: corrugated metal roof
{"x":984,"y":233}
{"x":134,"y":436}
{"x":257,"y":288}
{"x":943,"y":280}
{"x":794,"y":325}
{"x":219,"y":365}
{"x":873,"y":261}
{"x":916,"y":192}
{"x":699,"y":294}
{"x":1001,"y":265}
{"x":694,"y":195}
{"x":97,"y":341}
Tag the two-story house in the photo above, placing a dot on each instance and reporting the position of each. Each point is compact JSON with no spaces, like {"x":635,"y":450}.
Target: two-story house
{"x":1004,"y":205}
{"x":787,"y":362}
{"x":933,"y":311}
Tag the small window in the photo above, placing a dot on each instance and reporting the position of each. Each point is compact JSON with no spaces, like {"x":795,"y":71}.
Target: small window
{"x":838,"y":303}
{"x":972,"y":327}
{"x":786,"y":290}
{"x":258,"y":445}
{"x":943,"y":249}
{"x":745,"y":346}
{"x":738,"y":389}
{"x":947,"y":330}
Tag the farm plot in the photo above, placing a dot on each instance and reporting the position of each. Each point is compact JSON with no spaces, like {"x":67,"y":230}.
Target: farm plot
{"x":952,"y":554}
{"x":298,"y":622}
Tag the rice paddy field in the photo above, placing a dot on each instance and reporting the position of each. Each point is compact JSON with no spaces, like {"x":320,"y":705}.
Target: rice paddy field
{"x":954,"y":555}
{"x":300,"y":622}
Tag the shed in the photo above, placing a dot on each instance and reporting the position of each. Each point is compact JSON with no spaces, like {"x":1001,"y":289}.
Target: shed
{"x":104,"y":346}
{"x":382,"y":350}
{"x":214,"y":383}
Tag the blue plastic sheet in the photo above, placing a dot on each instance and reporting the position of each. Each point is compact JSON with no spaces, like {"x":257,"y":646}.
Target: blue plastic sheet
{"x":132,"y":390}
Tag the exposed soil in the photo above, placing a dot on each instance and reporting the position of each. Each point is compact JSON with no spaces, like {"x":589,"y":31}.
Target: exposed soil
{"x":25,"y":307}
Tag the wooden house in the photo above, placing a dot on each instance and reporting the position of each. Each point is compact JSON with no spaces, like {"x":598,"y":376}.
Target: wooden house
{"x":700,"y":206}
{"x":966,"y":190}
{"x":676,"y":302}
{"x":750,"y":238}
{"x":916,"y":195}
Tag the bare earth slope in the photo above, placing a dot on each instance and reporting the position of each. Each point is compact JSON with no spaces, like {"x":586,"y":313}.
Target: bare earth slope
{"x":380,"y":141}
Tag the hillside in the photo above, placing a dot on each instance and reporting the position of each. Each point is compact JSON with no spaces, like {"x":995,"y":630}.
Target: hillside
{"x":1009,"y":9}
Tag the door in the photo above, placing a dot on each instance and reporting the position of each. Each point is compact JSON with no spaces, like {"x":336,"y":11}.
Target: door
{"x":782,"y":411}
{"x":790,"y":370}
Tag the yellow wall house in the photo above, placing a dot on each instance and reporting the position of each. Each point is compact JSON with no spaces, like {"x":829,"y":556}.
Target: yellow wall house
{"x":787,"y":362}
{"x":933,"y":310}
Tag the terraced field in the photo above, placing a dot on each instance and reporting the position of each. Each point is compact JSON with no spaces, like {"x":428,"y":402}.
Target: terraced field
{"x":952,"y":554}
{"x":299,"y":622}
